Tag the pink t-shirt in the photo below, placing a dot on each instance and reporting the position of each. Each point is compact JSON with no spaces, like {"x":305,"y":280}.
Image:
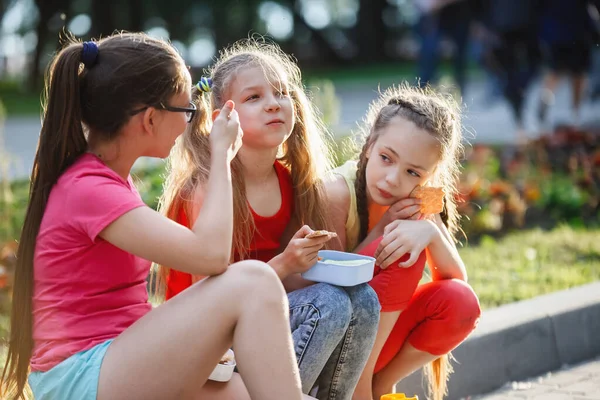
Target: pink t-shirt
{"x":86,"y":290}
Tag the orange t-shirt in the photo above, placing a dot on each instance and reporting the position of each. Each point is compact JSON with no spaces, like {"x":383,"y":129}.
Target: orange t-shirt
{"x":266,"y":241}
{"x":395,"y":285}
{"x":376,"y":212}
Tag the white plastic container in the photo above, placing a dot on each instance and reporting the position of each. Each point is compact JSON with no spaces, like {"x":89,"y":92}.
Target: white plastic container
{"x":224,"y":372}
{"x":341,"y":275}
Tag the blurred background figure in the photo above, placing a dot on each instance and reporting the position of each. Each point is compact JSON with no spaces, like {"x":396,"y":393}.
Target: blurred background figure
{"x":439,"y":19}
{"x":567,"y":33}
{"x":513,"y":56}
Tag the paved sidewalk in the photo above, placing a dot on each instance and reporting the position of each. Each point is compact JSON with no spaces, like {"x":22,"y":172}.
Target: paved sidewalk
{"x":579,"y":382}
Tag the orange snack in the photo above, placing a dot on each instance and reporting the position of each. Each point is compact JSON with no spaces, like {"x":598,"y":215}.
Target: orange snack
{"x":432,"y":199}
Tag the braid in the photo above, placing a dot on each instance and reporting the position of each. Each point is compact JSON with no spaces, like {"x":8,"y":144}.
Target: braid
{"x":398,"y":101}
{"x":360,"y":187}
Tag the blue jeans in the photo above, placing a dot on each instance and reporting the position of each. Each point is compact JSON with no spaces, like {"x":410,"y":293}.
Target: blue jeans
{"x":333,"y":329}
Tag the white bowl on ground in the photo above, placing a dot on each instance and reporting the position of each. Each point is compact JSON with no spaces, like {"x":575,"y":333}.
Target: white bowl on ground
{"x":224,"y":372}
{"x":341,"y":269}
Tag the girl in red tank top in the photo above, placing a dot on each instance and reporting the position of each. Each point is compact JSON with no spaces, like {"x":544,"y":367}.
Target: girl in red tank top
{"x":279,"y":197}
{"x":265,"y":243}
{"x":277,"y":174}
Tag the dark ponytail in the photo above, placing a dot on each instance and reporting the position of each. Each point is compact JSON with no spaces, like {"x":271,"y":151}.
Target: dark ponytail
{"x":96,"y":85}
{"x":61,"y":142}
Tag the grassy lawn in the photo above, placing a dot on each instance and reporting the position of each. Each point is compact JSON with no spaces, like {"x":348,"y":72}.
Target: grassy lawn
{"x":517,"y":267}
{"x":20,"y":102}
{"x":531,"y":263}
{"x":382,"y":72}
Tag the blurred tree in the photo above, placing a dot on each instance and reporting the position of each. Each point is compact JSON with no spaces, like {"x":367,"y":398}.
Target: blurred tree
{"x":47,"y":10}
{"x":327,"y":52}
{"x":371,"y":31}
{"x":103,"y":17}
{"x":235,"y":19}
{"x":176,"y":19}
{"x":135,"y":12}
{"x":5,"y":5}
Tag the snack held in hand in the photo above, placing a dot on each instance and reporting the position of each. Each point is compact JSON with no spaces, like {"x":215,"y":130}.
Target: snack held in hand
{"x":320,"y":233}
{"x":432,"y":199}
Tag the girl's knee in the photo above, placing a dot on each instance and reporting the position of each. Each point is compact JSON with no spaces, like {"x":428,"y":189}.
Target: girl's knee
{"x":463,"y":298}
{"x":334,"y":306}
{"x":254,"y":269}
{"x":365,"y":303}
{"x":457,"y":304}
{"x":257,"y":278}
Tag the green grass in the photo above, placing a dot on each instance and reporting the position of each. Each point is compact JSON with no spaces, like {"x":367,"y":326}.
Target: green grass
{"x":385,"y":73}
{"x":518,"y":267}
{"x":18,"y":101}
{"x":531,"y":263}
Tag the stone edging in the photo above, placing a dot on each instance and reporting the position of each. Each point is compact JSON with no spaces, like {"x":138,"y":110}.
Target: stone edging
{"x":522,"y":340}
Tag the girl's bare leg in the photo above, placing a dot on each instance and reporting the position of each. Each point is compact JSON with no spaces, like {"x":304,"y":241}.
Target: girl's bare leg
{"x":547,"y":94}
{"x":407,"y":361}
{"x":363,"y":389}
{"x":170,"y":352}
{"x":578,"y":83}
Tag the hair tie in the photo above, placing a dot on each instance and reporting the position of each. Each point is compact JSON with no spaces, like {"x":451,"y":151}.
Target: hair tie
{"x":89,"y":55}
{"x":204,"y":85}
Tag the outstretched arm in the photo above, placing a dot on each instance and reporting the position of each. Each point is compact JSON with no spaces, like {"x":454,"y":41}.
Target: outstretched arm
{"x":443,"y":257}
{"x":206,"y":248}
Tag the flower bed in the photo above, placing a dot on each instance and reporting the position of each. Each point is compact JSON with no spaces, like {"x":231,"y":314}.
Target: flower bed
{"x":555,"y":179}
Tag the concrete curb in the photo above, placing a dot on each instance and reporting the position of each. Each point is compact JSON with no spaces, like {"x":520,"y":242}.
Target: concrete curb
{"x":523,"y":340}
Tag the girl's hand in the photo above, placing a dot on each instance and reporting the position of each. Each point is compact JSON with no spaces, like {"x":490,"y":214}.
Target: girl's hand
{"x":226,"y":134}
{"x":404,"y":236}
{"x":302,"y":253}
{"x":409,"y":208}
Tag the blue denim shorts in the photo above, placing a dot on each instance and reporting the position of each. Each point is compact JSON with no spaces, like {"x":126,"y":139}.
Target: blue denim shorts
{"x":76,"y":378}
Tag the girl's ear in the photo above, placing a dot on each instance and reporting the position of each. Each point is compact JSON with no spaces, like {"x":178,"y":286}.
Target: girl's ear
{"x":148,"y":120}
{"x":215,"y":114}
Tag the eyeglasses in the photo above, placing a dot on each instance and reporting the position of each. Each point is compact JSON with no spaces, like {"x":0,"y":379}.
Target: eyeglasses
{"x":189,"y":111}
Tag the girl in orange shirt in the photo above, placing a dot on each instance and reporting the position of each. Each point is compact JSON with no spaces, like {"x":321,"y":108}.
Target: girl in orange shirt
{"x":413,"y":138}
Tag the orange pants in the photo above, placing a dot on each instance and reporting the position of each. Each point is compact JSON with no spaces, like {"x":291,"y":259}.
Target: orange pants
{"x":436,"y":316}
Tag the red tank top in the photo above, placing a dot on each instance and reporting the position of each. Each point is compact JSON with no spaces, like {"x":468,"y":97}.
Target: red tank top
{"x":266,"y":241}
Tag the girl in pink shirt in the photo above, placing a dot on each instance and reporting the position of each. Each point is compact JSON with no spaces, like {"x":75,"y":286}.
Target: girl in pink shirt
{"x":81,"y":321}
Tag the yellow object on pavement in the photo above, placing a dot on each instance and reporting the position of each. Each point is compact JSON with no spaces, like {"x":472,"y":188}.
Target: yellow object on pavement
{"x":397,"y":396}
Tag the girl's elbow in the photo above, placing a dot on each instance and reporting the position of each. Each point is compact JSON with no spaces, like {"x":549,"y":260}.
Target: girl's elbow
{"x":211,"y":264}
{"x":461,"y":273}
{"x":219,"y":265}
{"x":453,"y":272}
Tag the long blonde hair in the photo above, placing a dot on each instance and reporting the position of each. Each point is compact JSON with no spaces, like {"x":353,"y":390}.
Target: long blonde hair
{"x":440,"y":116}
{"x":306,"y":153}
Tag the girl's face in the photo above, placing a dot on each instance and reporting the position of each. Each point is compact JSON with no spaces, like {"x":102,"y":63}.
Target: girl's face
{"x":173,"y":124}
{"x":170,"y":124}
{"x":265,"y":108}
{"x":402,"y":157}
